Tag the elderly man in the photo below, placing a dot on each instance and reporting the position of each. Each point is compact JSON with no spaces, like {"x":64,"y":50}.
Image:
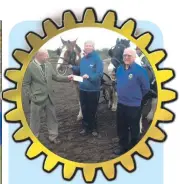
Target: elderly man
{"x":91,"y":69}
{"x":38,"y":87}
{"x":132,"y":86}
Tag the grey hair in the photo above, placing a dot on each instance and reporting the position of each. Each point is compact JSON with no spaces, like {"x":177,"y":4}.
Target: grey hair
{"x":132,"y":50}
{"x":41,"y":50}
{"x":89,"y":42}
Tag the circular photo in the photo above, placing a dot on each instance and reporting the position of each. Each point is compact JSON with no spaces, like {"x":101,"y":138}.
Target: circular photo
{"x":89,"y":95}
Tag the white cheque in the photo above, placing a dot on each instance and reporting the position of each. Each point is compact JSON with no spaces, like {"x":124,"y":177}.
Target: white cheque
{"x":77,"y":78}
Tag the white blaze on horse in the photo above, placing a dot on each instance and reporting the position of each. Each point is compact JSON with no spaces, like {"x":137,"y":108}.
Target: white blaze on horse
{"x":70,"y":54}
{"x":116,"y":54}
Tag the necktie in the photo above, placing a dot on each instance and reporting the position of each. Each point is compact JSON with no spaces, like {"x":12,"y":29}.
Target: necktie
{"x":43,"y":68}
{"x":43,"y":71}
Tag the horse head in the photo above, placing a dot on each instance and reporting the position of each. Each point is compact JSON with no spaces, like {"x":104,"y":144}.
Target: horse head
{"x":116,"y":52}
{"x":69,"y":53}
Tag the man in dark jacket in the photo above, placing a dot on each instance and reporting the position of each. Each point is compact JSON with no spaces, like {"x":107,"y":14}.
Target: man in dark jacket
{"x":91,"y":69}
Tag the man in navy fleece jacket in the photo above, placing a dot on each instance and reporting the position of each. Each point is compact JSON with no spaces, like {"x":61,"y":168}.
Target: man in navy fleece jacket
{"x":132,"y":85}
{"x":91,"y":69}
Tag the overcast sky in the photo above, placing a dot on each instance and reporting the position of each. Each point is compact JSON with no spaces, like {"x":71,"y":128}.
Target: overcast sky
{"x":103,"y":38}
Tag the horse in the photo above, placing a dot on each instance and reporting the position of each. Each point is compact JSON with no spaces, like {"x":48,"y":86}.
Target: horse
{"x":150,"y":100}
{"x":116,"y":54}
{"x":70,"y":54}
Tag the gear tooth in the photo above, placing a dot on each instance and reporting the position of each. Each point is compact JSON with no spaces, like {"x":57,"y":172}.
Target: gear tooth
{"x":167,"y":95}
{"x":164,"y":115}
{"x":34,"y":40}
{"x":156,"y":56}
{"x":109,"y":19}
{"x":50,"y":28}
{"x":13,"y":115}
{"x":21,"y":56}
{"x":69,"y":21}
{"x":14,"y":75}
{"x":138,"y":31}
{"x":50,"y":163}
{"x":164,"y":75}
{"x":68,"y":170}
{"x":89,"y":16}
{"x":11,"y":95}
{"x":157,"y":134}
{"x":34,"y":150}
{"x":21,"y":134}
{"x":89,"y":173}
{"x":127,"y":162}
{"x":144,"y":150}
{"x":109,"y":171}
{"x":144,"y":40}
{"x":128,"y":27}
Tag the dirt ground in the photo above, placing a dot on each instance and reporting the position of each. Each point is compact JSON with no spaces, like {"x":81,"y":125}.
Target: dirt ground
{"x":74,"y":146}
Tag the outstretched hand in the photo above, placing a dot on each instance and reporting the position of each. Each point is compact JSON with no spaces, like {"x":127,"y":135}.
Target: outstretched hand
{"x":70,"y":77}
{"x":85,"y":76}
{"x":70,"y":66}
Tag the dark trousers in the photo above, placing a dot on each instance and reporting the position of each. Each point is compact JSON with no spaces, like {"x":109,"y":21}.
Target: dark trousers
{"x":128,"y":128}
{"x":89,"y":104}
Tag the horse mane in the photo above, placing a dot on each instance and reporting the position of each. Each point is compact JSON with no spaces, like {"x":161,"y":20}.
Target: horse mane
{"x":78,"y":48}
{"x":125,"y":42}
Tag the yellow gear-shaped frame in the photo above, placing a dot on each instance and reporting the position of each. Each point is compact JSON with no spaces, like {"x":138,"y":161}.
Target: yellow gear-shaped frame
{"x":89,"y":169}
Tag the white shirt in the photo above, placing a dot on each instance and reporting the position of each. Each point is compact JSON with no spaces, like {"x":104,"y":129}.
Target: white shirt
{"x":138,"y":60}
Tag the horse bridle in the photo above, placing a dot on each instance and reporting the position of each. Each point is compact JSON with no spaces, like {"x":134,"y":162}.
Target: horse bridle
{"x":114,"y":57}
{"x":68,"y":62}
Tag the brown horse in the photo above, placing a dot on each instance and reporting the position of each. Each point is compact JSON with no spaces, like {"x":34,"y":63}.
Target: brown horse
{"x":70,"y":54}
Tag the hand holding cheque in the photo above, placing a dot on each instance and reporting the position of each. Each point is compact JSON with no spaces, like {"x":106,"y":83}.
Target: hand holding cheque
{"x":78,"y":78}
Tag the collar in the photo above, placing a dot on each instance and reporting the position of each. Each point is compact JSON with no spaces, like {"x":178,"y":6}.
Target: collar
{"x":37,"y":62}
{"x":130,"y":66}
{"x":90,"y":54}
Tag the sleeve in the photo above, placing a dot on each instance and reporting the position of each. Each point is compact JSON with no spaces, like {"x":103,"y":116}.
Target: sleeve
{"x":26,"y":84}
{"x":58,"y":78}
{"x":144,"y":82}
{"x":99,"y":71}
{"x":76,"y":70}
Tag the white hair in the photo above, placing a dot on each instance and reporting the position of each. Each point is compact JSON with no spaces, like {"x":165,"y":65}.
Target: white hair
{"x":132,"y":50}
{"x":89,"y":42}
{"x":42,"y":50}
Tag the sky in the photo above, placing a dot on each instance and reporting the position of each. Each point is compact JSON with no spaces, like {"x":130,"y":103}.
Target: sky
{"x":103,"y":38}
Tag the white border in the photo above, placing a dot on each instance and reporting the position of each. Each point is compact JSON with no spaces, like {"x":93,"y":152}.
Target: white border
{"x":162,"y":13}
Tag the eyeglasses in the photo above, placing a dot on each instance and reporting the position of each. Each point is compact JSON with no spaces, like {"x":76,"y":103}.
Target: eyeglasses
{"x":126,"y":55}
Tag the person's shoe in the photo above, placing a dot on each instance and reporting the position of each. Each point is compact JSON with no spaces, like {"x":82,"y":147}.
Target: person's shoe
{"x":83,"y":132}
{"x":94,"y":133}
{"x":119,"y":151}
{"x":55,"y":141}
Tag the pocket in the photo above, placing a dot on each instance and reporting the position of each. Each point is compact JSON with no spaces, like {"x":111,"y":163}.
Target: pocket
{"x":38,"y":91}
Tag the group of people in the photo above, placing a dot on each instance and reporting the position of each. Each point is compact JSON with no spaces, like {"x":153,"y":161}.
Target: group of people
{"x":132,"y":85}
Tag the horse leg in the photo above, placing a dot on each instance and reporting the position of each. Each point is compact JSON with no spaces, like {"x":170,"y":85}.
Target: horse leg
{"x":109,"y":91}
{"x":153,"y":109}
{"x":141,"y":125}
{"x":114,"y":105}
{"x":79,"y":116}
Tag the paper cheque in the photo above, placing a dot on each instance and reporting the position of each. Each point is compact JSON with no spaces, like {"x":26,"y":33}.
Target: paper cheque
{"x":77,"y":78}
